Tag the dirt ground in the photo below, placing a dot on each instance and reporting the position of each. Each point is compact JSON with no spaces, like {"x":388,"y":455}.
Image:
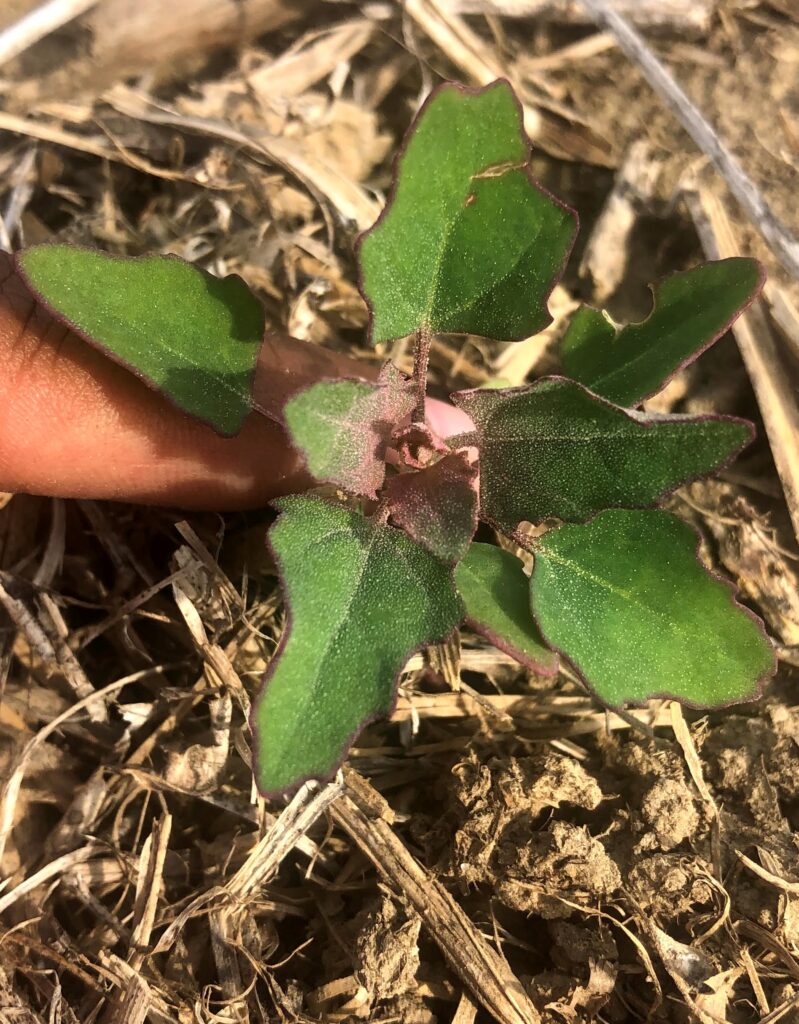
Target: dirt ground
{"x":503,"y":849}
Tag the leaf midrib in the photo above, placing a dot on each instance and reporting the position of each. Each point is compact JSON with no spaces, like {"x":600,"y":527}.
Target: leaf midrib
{"x":179,"y":357}
{"x":636,"y":602}
{"x":600,"y":381}
{"x":642,"y":434}
{"x":321,"y":658}
{"x":439,"y":263}
{"x":342,"y":430}
{"x":649,"y":328}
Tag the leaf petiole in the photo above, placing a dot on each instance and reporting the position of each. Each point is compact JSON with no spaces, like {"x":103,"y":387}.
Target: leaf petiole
{"x":382,"y":512}
{"x":421,"y":358}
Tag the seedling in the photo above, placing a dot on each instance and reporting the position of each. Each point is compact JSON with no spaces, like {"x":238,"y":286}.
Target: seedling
{"x":468,"y":243}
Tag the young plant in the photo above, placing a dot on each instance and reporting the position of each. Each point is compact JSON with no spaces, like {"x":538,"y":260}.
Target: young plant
{"x":468,"y":243}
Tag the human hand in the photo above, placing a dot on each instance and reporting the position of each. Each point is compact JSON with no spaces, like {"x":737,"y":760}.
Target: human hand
{"x":75,"y":424}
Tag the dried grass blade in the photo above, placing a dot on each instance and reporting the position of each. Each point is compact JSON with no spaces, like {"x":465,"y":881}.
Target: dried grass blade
{"x":310,"y":60}
{"x":365,"y":816}
{"x":38,"y":23}
{"x":783,"y":244}
{"x":44,"y":874}
{"x":148,"y":883}
{"x":11,"y":787}
{"x":758,"y":347}
{"x":322,"y":180}
{"x":45,"y":633}
{"x":680,"y":15}
{"x":563,"y":136}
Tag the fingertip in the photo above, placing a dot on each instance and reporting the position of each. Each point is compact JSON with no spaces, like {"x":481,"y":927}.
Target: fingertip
{"x":73,"y":423}
{"x":447,"y":420}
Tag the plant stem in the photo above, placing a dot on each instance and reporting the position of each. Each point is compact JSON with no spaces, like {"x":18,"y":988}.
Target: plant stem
{"x":522,"y":540}
{"x":421,"y":357}
{"x":382,"y":512}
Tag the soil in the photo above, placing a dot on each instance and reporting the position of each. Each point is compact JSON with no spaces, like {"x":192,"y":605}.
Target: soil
{"x":641,"y":869}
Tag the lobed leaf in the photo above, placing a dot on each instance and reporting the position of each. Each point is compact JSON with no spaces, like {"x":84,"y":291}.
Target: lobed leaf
{"x":554,"y":449}
{"x":361,"y":598}
{"x":468,"y":243}
{"x":496,"y":595}
{"x":690,"y":311}
{"x":626,"y":601}
{"x":343,"y":427}
{"x":437,"y":506}
{"x":191,"y":335}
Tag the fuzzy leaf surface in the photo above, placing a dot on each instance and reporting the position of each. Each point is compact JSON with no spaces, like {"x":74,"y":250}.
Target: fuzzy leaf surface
{"x":417,"y":445}
{"x":496,"y":595}
{"x":437,"y":506}
{"x":691,"y":310}
{"x":626,"y":601}
{"x":468,"y":243}
{"x":554,"y":449}
{"x":361,"y":598}
{"x":342,"y":427}
{"x":191,"y":335}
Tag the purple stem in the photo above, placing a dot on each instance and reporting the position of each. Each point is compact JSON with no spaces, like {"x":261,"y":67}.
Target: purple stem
{"x":421,"y":358}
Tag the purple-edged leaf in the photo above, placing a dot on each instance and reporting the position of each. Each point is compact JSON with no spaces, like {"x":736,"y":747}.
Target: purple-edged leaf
{"x":625,"y":599}
{"x":417,"y":445}
{"x":496,"y":595}
{"x":191,"y":335}
{"x":342,"y":427}
{"x":361,"y":598}
{"x":690,"y":311}
{"x":437,"y":506}
{"x":554,"y":449}
{"x":469,"y":243}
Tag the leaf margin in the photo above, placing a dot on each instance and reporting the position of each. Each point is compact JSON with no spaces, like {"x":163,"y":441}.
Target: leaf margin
{"x":288,"y":791}
{"x":59,"y":318}
{"x":631,"y":414}
{"x":654,"y":288}
{"x":500,"y":642}
{"x":384,"y":381}
{"x":731,"y":591}
{"x":396,"y":168}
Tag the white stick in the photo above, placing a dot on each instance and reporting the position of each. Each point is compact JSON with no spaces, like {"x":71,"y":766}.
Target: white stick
{"x":40,"y":22}
{"x":783,"y":244}
{"x":691,"y":14}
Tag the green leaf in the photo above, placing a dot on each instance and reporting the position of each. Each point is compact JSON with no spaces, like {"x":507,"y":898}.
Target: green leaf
{"x":437,"y":506}
{"x":361,"y":599}
{"x":342,"y":427}
{"x":496,"y":596}
{"x":626,"y":601}
{"x":191,"y":335}
{"x":553,"y":449}
{"x":469,"y":243}
{"x":691,"y":310}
